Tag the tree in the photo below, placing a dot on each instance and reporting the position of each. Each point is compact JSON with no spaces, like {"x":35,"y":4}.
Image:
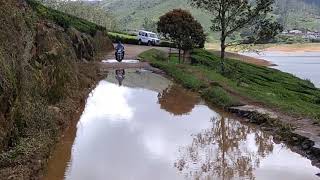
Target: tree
{"x":181,"y":28}
{"x":227,"y":155}
{"x":231,"y":16}
{"x":177,"y":100}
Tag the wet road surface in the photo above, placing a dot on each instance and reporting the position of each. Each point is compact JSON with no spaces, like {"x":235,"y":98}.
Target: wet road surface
{"x":151,"y":128}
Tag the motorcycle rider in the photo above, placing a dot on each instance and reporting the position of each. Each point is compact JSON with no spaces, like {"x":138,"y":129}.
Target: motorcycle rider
{"x":119,"y":46}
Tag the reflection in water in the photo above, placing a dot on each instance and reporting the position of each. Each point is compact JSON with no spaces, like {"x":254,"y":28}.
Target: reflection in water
{"x":176,"y":100}
{"x":123,"y":134}
{"x":225,"y":151}
{"x":120,"y":75}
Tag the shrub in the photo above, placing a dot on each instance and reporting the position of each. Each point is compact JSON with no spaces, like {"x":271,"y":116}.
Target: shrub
{"x":167,"y":44}
{"x":124,"y":38}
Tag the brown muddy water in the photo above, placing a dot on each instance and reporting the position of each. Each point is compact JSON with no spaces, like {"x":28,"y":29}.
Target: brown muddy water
{"x":152,"y":129}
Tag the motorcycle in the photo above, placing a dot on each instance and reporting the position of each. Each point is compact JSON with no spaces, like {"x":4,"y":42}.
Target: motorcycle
{"x":119,"y":55}
{"x":120,"y":75}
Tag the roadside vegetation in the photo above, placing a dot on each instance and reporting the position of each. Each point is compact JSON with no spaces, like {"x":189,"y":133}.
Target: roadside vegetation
{"x":123,"y":37}
{"x":248,"y":82}
{"x":88,"y":10}
{"x":180,"y":27}
{"x":43,"y":81}
{"x":132,"y":39}
{"x":65,"y":20}
{"x":230,"y":17}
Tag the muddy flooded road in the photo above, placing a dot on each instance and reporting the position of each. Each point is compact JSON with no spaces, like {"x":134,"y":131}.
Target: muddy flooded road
{"x":150,"y":128}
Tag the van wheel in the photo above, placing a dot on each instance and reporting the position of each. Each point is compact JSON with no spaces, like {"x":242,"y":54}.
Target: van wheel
{"x":149,"y":43}
{"x":140,"y":42}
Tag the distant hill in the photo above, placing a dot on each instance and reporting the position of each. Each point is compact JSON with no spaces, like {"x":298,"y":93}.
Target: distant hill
{"x":293,"y":14}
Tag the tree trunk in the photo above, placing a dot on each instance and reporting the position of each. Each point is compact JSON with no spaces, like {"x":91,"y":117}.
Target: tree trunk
{"x":184,"y":56}
{"x":169,"y":54}
{"x":223,"y":35}
{"x":179,"y":55}
{"x":224,"y":147}
{"x":223,"y":52}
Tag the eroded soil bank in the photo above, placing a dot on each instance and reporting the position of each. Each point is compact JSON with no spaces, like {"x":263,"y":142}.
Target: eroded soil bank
{"x":46,"y":71}
{"x":152,"y":128}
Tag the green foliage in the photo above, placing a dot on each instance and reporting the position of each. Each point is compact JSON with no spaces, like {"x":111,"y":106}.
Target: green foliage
{"x":290,"y":39}
{"x":124,"y":38}
{"x":220,"y":97}
{"x":65,"y":20}
{"x":298,"y":14}
{"x":131,"y":14}
{"x":291,"y":14}
{"x":231,"y":16}
{"x":179,"y":26}
{"x":92,"y":12}
{"x":132,"y":39}
{"x":268,"y":86}
{"x":167,"y":44}
{"x":149,"y":25}
{"x":186,"y":79}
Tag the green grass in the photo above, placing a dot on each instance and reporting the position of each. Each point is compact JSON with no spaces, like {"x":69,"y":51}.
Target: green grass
{"x":65,"y":20}
{"x":220,"y":97}
{"x":265,"y":85}
{"x":186,"y":79}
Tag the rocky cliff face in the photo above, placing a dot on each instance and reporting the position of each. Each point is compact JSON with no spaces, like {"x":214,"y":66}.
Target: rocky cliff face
{"x":44,"y":72}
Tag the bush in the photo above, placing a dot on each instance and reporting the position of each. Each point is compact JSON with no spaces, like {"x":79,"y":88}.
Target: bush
{"x":124,"y":38}
{"x":167,"y":44}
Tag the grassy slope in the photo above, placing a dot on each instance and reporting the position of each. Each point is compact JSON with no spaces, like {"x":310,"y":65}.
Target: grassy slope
{"x":299,"y":15}
{"x":65,"y":20}
{"x":260,"y":84}
{"x":153,"y":9}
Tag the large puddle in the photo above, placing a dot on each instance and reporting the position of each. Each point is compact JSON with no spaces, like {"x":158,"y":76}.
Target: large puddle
{"x":305,"y":65}
{"x":152,"y":129}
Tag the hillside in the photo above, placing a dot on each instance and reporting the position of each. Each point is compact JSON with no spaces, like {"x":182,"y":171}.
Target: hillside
{"x":46,"y":69}
{"x":131,"y":14}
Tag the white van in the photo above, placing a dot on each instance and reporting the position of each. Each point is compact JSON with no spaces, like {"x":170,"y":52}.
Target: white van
{"x":147,"y":37}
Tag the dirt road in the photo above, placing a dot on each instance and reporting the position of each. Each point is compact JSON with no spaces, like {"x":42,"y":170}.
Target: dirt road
{"x":132,"y":51}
